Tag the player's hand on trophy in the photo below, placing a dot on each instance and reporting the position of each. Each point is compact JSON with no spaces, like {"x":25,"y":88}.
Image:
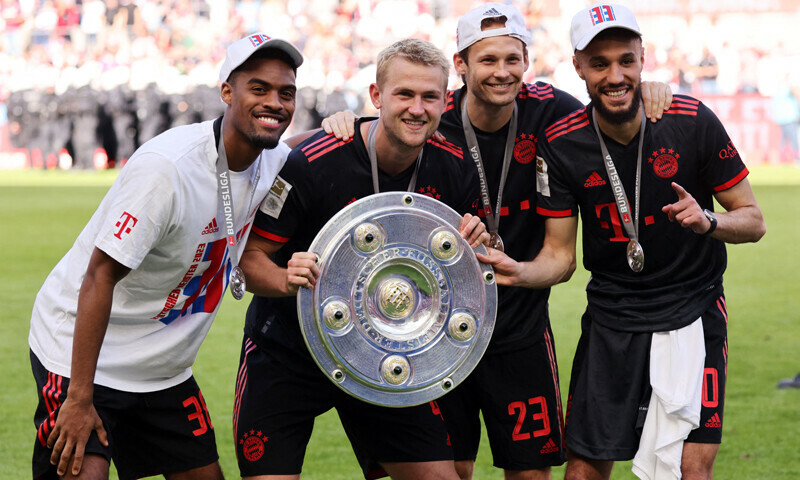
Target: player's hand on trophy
{"x":687,"y":211}
{"x":656,"y":99}
{"x":473,"y":230}
{"x":301,"y":271}
{"x":506,"y":270}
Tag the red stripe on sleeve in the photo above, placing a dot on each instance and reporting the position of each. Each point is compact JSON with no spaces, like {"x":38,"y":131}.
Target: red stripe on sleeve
{"x":559,"y":124}
{"x":675,"y":111}
{"x":315,"y":156}
{"x":313,"y":147}
{"x":572,"y":128}
{"x":553,"y":213}
{"x":449,"y":147}
{"x":270,"y":236}
{"x":733,"y":181}
{"x":690,"y":101}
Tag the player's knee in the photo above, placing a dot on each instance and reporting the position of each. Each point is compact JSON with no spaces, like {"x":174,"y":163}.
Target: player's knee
{"x":697,"y":470}
{"x":94,"y":467}
{"x":211,"y":471}
{"x":534,"y":474}
{"x":702,"y":474}
{"x":697,"y":462}
{"x":579,"y":468}
{"x":433,"y":470}
{"x":465,"y":468}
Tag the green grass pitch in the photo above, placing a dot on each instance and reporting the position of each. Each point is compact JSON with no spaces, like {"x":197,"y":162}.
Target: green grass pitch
{"x":41,"y":214}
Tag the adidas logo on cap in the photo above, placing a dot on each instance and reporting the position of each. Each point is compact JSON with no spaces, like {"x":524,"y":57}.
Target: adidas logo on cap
{"x":470,"y":25}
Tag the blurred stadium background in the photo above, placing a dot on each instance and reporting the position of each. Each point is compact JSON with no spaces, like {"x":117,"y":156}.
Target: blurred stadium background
{"x":85,"y":82}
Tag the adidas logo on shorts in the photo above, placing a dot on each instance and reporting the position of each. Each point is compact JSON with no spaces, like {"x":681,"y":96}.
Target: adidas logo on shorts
{"x":714,"y":422}
{"x":549,"y":447}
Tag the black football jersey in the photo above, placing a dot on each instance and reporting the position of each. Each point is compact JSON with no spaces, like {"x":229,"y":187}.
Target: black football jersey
{"x":322,"y":176}
{"x":682,"y":270}
{"x":522,"y":313}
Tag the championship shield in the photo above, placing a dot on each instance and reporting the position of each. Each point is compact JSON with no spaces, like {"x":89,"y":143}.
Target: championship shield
{"x":402,"y":310}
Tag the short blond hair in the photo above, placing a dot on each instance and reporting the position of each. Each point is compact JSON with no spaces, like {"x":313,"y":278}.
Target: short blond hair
{"x":415,"y":51}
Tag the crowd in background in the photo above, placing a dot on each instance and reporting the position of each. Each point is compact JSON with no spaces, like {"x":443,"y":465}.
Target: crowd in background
{"x":78,"y":75}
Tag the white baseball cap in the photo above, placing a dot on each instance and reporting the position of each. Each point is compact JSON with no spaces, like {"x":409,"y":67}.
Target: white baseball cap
{"x":587,"y":23}
{"x":240,"y":50}
{"x":469,"y":25}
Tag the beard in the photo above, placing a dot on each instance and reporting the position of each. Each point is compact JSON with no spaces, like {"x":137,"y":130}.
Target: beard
{"x":266,"y":143}
{"x":618,"y":116}
{"x":258,"y":137}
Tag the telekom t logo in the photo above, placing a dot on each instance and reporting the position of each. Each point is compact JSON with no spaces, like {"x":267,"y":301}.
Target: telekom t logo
{"x":123,"y":222}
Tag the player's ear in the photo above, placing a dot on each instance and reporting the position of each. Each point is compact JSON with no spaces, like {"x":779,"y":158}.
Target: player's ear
{"x":577,"y":65}
{"x":525,"y":58}
{"x":226,"y":93}
{"x":459,"y":64}
{"x":375,"y":95}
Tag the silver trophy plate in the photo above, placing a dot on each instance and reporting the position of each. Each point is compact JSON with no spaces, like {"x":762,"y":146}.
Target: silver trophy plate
{"x":402,"y":310}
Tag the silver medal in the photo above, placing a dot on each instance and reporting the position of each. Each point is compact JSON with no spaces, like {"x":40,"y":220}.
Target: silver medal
{"x":237,"y":283}
{"x":635,"y":256}
{"x":495,"y":241}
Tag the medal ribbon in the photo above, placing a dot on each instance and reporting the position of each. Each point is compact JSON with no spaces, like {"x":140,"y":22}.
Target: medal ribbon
{"x":373,"y":160}
{"x":492,"y":217}
{"x":225,"y":199}
{"x":623,"y":206}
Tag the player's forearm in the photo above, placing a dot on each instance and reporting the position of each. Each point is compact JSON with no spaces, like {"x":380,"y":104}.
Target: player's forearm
{"x":742,"y":225}
{"x":296,"y":140}
{"x":556,"y":261}
{"x":549,"y":268}
{"x":263,"y":277}
{"x":91,"y":323}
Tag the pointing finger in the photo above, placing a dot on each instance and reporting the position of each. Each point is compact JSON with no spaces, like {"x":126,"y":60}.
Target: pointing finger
{"x":680,"y":191}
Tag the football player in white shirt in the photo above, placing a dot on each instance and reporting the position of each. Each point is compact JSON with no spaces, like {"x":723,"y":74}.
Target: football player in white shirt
{"x":118,"y":322}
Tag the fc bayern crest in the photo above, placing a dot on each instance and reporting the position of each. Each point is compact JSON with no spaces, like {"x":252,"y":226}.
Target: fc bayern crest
{"x":253,"y":445}
{"x":525,"y":149}
{"x":665,"y":162}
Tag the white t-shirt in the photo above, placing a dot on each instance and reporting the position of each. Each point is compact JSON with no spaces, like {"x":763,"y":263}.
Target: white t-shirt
{"x":159,"y":218}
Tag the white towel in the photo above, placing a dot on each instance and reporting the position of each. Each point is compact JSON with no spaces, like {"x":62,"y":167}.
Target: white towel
{"x":677,"y":359}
